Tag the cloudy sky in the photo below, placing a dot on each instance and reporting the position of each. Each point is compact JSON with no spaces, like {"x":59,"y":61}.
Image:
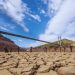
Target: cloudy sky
{"x":41,"y":19}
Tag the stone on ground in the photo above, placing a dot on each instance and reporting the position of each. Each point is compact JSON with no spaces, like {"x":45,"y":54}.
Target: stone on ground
{"x":5,"y":72}
{"x":48,"y":73}
{"x":43,"y":69}
{"x":68,"y":70}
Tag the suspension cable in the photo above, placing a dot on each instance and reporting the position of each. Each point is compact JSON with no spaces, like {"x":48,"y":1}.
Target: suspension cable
{"x":17,"y":35}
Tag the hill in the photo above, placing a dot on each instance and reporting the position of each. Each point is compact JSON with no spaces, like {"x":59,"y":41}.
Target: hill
{"x":9,"y":45}
{"x":65,"y":44}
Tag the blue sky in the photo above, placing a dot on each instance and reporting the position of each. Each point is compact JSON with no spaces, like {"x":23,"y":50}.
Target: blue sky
{"x":41,"y":19}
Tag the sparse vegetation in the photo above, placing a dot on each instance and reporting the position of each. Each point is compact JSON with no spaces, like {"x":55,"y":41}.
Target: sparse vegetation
{"x":64,"y":42}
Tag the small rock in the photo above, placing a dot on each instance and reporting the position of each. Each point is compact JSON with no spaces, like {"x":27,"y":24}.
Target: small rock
{"x":2,"y":61}
{"x":48,"y":73}
{"x":43,"y":69}
{"x":40,"y":62}
{"x":16,"y":71}
{"x":5,"y":72}
{"x":28,"y":68}
{"x":68,"y":70}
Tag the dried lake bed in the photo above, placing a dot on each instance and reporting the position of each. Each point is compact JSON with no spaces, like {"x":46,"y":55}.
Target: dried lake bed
{"x":37,"y":63}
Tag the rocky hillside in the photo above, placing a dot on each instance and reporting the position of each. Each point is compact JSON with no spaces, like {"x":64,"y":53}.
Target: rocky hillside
{"x":5,"y":39}
{"x":7,"y":45}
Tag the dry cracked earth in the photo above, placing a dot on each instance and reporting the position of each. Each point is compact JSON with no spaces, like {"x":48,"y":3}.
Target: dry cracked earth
{"x":37,"y":63}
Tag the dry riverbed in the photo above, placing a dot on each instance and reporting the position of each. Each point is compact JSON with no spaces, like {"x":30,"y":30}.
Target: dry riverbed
{"x":37,"y":63}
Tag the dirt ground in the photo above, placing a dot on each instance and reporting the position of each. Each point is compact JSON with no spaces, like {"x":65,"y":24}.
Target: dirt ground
{"x":37,"y":63}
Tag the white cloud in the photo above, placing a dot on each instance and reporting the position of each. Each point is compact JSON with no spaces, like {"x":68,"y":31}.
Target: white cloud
{"x":4,"y":28}
{"x":20,"y":40}
{"x":62,"y":23}
{"x":70,"y":30}
{"x":15,"y":9}
{"x":45,"y":1}
{"x":53,"y":6}
{"x":35,"y":17}
{"x":24,"y":27}
{"x":47,"y":37}
{"x":35,"y":44}
{"x":42,"y":11}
